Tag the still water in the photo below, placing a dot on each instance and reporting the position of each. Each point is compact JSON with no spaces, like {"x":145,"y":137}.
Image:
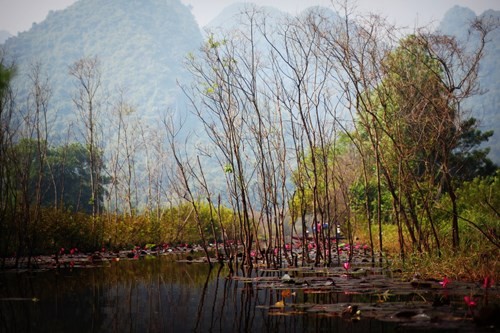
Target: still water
{"x":156,"y":295}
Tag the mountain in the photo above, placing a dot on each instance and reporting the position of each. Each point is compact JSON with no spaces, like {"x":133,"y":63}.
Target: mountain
{"x":4,"y":35}
{"x":140,"y":45}
{"x":232,"y":15}
{"x":486,"y":106}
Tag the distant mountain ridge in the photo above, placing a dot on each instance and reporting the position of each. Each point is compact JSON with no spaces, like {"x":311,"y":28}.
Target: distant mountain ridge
{"x":140,"y":45}
{"x":4,"y":35}
{"x":486,"y":106}
{"x":231,"y":14}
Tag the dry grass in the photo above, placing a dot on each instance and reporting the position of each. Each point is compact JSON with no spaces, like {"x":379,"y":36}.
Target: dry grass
{"x":471,"y":264}
{"x":461,"y":265}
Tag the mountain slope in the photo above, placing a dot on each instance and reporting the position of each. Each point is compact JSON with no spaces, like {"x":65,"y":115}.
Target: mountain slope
{"x":140,"y":45}
{"x":4,"y":35}
{"x":486,"y":106}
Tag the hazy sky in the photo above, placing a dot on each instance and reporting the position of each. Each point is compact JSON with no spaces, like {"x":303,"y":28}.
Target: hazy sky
{"x":18,"y":15}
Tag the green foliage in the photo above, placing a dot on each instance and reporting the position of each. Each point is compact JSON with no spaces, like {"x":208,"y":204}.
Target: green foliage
{"x":318,"y":176}
{"x":468,"y":159}
{"x":478,"y":202}
{"x":56,"y":229}
{"x":212,"y":43}
{"x":228,"y":168}
{"x":179,"y":224}
{"x":62,"y":228}
{"x":6,"y":76}
{"x":410,"y":125}
{"x":175,"y":225}
{"x":66,"y":174}
{"x":464,"y":265}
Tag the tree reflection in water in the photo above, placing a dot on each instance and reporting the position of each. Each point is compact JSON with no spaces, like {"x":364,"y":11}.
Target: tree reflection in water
{"x":157,"y":295}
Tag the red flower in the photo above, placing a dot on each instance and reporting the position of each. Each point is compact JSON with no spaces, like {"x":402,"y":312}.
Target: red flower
{"x":347,"y":265}
{"x":445,"y":282}
{"x":470,"y":301}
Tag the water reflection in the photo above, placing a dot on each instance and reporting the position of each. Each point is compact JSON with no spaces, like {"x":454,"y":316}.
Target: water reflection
{"x":156,"y":295}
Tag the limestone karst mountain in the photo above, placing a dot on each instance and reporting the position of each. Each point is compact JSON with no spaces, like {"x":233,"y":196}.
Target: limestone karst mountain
{"x":485,"y":106}
{"x":140,"y":46}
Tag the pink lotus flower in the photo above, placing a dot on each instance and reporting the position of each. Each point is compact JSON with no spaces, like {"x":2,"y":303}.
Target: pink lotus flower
{"x":347,"y":265}
{"x":470,"y":301}
{"x":445,"y":282}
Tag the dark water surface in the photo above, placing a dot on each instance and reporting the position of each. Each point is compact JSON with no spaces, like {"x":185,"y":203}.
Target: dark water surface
{"x":157,"y":295}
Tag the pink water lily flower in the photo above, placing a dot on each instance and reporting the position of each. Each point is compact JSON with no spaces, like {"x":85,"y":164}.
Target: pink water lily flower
{"x":470,"y":301}
{"x":347,"y":265}
{"x":445,"y":282}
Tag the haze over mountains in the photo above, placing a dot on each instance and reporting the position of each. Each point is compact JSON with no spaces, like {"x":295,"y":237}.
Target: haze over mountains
{"x":4,"y":35}
{"x":485,"y":106}
{"x":142,"y":47}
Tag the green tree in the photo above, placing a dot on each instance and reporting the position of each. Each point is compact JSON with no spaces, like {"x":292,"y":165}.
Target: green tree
{"x":67,"y":168}
{"x":479,"y":215}
{"x":428,"y":146}
{"x":69,"y":185}
{"x":469,"y":160}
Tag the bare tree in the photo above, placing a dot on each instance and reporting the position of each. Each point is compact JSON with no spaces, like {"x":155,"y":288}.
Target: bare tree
{"x":8,"y":129}
{"x":88,"y":82}
{"x":39,"y":103}
{"x":183,"y":174}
